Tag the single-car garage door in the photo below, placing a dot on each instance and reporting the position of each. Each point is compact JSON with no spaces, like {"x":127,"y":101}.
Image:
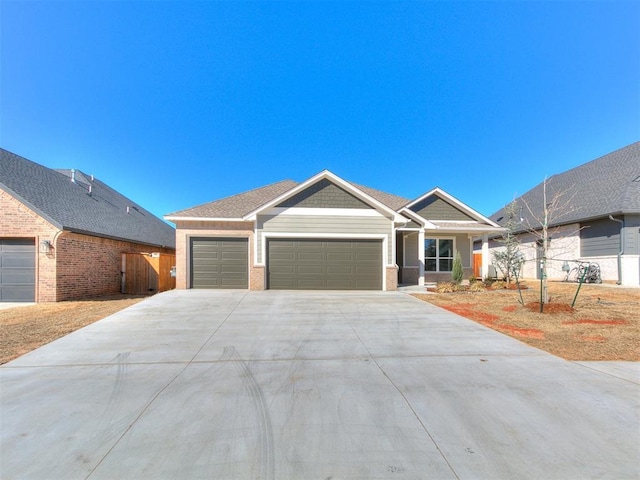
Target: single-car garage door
{"x":219,"y":263}
{"x":17,"y":270}
{"x":310,"y":264}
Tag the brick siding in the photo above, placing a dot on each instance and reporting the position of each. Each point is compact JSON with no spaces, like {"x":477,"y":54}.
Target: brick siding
{"x":79,"y":266}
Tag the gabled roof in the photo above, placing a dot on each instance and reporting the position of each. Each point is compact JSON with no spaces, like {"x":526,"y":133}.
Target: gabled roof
{"x":240,"y":206}
{"x":85,"y":206}
{"x":437,"y":191}
{"x":326,"y":174}
{"x":608,"y":185}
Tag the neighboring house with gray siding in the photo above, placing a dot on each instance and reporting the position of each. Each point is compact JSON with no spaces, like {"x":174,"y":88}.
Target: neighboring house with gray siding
{"x":597,"y":218}
{"x":323,"y":233}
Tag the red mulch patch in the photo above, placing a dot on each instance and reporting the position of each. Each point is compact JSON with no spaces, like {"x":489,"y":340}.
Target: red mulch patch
{"x":509,"y":308}
{"x":549,"y":307}
{"x":595,"y":322}
{"x":522,"y":332}
{"x":465,"y":310}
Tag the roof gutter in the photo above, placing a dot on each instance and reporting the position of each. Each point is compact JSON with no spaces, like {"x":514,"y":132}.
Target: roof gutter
{"x":621,"y":252}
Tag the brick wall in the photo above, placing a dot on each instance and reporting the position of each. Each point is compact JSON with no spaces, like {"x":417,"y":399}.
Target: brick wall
{"x":90,"y":266}
{"x":18,"y":221}
{"x":78,"y":266}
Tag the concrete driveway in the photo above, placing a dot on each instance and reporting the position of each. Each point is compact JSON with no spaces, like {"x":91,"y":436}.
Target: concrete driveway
{"x":285,"y":385}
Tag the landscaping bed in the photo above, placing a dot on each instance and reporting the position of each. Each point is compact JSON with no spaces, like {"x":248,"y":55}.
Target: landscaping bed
{"x":604,"y":323}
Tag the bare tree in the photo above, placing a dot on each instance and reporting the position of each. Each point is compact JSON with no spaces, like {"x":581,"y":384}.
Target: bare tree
{"x":556,"y":205}
{"x":509,"y":259}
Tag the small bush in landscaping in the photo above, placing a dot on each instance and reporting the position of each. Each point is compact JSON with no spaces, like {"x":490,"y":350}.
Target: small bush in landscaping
{"x":458,"y":272}
{"x":446,"y":287}
{"x":477,"y":287}
{"x":498,"y":285}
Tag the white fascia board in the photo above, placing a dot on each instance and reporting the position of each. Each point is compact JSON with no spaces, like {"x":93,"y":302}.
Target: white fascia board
{"x":422,"y":221}
{"x":478,"y":230}
{"x":336,"y":212}
{"x":335,"y":179}
{"x":202,"y":219}
{"x":466,"y":208}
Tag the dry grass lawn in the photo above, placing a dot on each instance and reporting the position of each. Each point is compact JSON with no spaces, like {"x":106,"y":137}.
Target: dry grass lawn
{"x":604,"y":325}
{"x":23,"y":329}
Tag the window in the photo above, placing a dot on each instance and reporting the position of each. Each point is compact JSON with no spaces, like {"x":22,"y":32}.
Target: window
{"x":438,"y":254}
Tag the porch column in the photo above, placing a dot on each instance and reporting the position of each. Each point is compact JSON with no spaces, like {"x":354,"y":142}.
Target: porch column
{"x":485,"y":256}
{"x":421,"y":257}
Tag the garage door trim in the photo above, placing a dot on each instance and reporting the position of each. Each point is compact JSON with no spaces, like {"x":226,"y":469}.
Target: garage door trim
{"x":243,"y":238}
{"x":380,"y":239}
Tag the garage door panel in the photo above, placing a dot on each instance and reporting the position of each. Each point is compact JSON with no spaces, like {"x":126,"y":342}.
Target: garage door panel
{"x":16,"y":276}
{"x":324,"y":264}
{"x":310,"y":256}
{"x":309,"y":269}
{"x":347,"y":270}
{"x":219,"y":263}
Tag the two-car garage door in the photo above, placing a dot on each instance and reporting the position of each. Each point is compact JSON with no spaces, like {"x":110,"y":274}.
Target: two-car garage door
{"x":324,"y":264}
{"x":292,"y":264}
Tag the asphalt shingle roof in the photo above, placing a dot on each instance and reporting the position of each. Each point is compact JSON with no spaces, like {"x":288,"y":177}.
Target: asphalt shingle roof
{"x":70,"y":206}
{"x":237,"y":206}
{"x":608,"y":185}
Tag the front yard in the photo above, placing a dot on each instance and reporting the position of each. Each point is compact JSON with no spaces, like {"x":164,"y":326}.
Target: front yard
{"x":604,"y":325}
{"x":23,"y":329}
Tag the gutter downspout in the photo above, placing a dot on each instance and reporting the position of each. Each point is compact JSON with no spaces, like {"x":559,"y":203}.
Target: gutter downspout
{"x":621,"y":222}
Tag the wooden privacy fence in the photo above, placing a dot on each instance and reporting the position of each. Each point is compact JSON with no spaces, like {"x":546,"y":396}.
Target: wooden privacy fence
{"x":147,"y":273}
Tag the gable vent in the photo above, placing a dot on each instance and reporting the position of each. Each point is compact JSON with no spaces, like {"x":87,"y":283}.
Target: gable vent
{"x":637,"y":179}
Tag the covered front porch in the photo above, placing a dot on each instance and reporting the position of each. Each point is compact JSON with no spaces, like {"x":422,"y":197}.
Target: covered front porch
{"x":426,"y":256}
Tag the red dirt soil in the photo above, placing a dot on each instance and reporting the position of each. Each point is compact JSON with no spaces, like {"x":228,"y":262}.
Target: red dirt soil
{"x":522,"y":332}
{"x":549,"y":307}
{"x":510,"y":308}
{"x":465,"y":310}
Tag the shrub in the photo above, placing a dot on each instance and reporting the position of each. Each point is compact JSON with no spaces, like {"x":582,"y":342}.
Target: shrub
{"x":446,"y":287}
{"x":498,"y":285}
{"x":477,"y":287}
{"x":472,"y":279}
{"x":457,"y":272}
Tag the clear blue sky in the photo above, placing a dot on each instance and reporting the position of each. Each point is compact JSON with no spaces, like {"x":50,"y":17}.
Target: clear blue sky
{"x":180,"y":103}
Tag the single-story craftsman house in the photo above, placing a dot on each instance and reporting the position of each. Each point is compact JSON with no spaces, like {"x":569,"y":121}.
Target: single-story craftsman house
{"x":324,"y":233}
{"x":63,"y":233}
{"x":594,"y":216}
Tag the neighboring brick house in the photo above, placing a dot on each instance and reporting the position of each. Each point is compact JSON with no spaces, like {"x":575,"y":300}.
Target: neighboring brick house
{"x":324,"y":233}
{"x":63,"y":233}
{"x":596,"y":218}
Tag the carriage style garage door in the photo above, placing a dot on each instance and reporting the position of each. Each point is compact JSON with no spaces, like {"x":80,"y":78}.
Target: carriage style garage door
{"x":310,"y":264}
{"x":17,"y":270}
{"x":219,"y":263}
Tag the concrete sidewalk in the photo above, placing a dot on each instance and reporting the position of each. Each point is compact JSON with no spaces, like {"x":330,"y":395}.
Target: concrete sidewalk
{"x":301,"y":385}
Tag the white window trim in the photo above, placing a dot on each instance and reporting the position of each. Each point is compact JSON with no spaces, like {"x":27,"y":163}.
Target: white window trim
{"x":437,"y":258}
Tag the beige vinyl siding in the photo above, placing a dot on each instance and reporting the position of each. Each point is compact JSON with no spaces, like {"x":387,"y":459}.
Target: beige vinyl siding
{"x":323,"y":226}
{"x":411,"y":250}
